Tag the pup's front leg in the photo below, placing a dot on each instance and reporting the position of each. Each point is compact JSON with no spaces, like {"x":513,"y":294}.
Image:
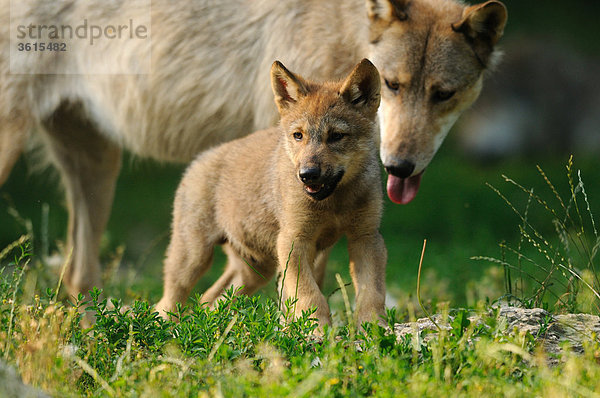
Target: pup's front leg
{"x":296,"y":257}
{"x":368,"y":257}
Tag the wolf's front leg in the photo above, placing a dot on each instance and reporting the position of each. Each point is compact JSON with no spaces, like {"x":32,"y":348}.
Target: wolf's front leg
{"x":368,"y":257}
{"x":296,"y":258}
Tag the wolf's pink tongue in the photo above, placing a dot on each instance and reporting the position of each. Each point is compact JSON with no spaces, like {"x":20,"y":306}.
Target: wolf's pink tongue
{"x":403,"y":190}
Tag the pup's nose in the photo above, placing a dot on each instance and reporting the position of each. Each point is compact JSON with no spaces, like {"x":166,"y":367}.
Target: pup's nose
{"x":309,"y":174}
{"x":401,"y":169}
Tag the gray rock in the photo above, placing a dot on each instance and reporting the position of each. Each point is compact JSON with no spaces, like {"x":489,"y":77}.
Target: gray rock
{"x":11,"y":385}
{"x":551,"y":330}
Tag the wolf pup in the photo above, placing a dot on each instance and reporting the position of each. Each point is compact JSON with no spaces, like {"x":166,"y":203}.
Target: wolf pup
{"x":280,"y":198}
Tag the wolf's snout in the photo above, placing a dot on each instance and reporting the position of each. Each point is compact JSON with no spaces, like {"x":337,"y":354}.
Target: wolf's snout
{"x":402,"y":169}
{"x":309,"y":174}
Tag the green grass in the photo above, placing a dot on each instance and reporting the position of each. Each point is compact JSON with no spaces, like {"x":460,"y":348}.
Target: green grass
{"x":246,"y":346}
{"x":558,"y":270}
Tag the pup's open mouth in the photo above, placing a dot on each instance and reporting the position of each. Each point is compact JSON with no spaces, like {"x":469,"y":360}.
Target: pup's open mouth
{"x":313,"y":189}
{"x":403,"y":190}
{"x":320,"y":191}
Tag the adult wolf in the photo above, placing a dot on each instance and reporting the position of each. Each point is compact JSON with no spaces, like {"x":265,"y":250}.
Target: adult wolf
{"x":208,"y":83}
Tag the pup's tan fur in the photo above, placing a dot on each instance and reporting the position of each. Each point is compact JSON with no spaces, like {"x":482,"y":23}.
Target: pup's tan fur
{"x":277,"y":194}
{"x":208,"y":85}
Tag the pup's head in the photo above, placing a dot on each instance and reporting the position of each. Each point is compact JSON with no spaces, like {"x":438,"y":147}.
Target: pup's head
{"x":432,"y":55}
{"x":330,"y":128}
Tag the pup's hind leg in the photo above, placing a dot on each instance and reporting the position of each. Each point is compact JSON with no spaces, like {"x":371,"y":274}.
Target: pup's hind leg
{"x":239,"y":273}
{"x":89,"y":165}
{"x":193,"y":238}
{"x":188,"y":258}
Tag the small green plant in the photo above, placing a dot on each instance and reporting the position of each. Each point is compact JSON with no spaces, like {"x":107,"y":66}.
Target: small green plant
{"x":10,"y":282}
{"x":557,"y":271}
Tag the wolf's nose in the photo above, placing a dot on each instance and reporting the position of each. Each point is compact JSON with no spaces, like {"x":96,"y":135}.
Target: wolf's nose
{"x":309,"y":174}
{"x":402,"y":169}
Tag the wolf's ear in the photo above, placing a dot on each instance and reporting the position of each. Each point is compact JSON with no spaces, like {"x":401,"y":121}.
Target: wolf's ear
{"x":387,"y":10}
{"x":382,"y":13}
{"x":287,"y":87}
{"x":483,"y":25}
{"x":362,"y":87}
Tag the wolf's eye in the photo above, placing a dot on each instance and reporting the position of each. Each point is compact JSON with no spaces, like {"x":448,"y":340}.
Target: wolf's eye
{"x":335,"y":136}
{"x":441,"y":95}
{"x":297,"y":136}
{"x":392,"y":85}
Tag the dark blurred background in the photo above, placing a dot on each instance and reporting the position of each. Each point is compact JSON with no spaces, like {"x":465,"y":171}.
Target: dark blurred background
{"x":541,"y":105}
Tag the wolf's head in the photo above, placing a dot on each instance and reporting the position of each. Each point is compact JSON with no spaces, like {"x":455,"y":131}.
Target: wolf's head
{"x":330,"y":128}
{"x":432,"y":55}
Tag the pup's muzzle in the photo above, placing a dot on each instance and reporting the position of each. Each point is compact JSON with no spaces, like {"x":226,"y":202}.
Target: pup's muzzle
{"x":317,"y":185}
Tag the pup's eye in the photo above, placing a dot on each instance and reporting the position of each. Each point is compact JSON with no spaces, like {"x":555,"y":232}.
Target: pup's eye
{"x":392,"y":85}
{"x":335,"y":136}
{"x":441,"y":95}
{"x":297,"y":136}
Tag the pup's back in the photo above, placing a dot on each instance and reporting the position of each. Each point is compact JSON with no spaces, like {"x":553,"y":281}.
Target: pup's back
{"x":230,"y":188}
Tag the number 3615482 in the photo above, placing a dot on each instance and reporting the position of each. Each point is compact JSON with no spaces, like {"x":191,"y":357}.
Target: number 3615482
{"x":35,"y":46}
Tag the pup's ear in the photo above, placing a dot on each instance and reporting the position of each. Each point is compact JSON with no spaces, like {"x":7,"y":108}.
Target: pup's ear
{"x":387,"y":10}
{"x":483,"y":25}
{"x":287,"y":87}
{"x":362,"y":87}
